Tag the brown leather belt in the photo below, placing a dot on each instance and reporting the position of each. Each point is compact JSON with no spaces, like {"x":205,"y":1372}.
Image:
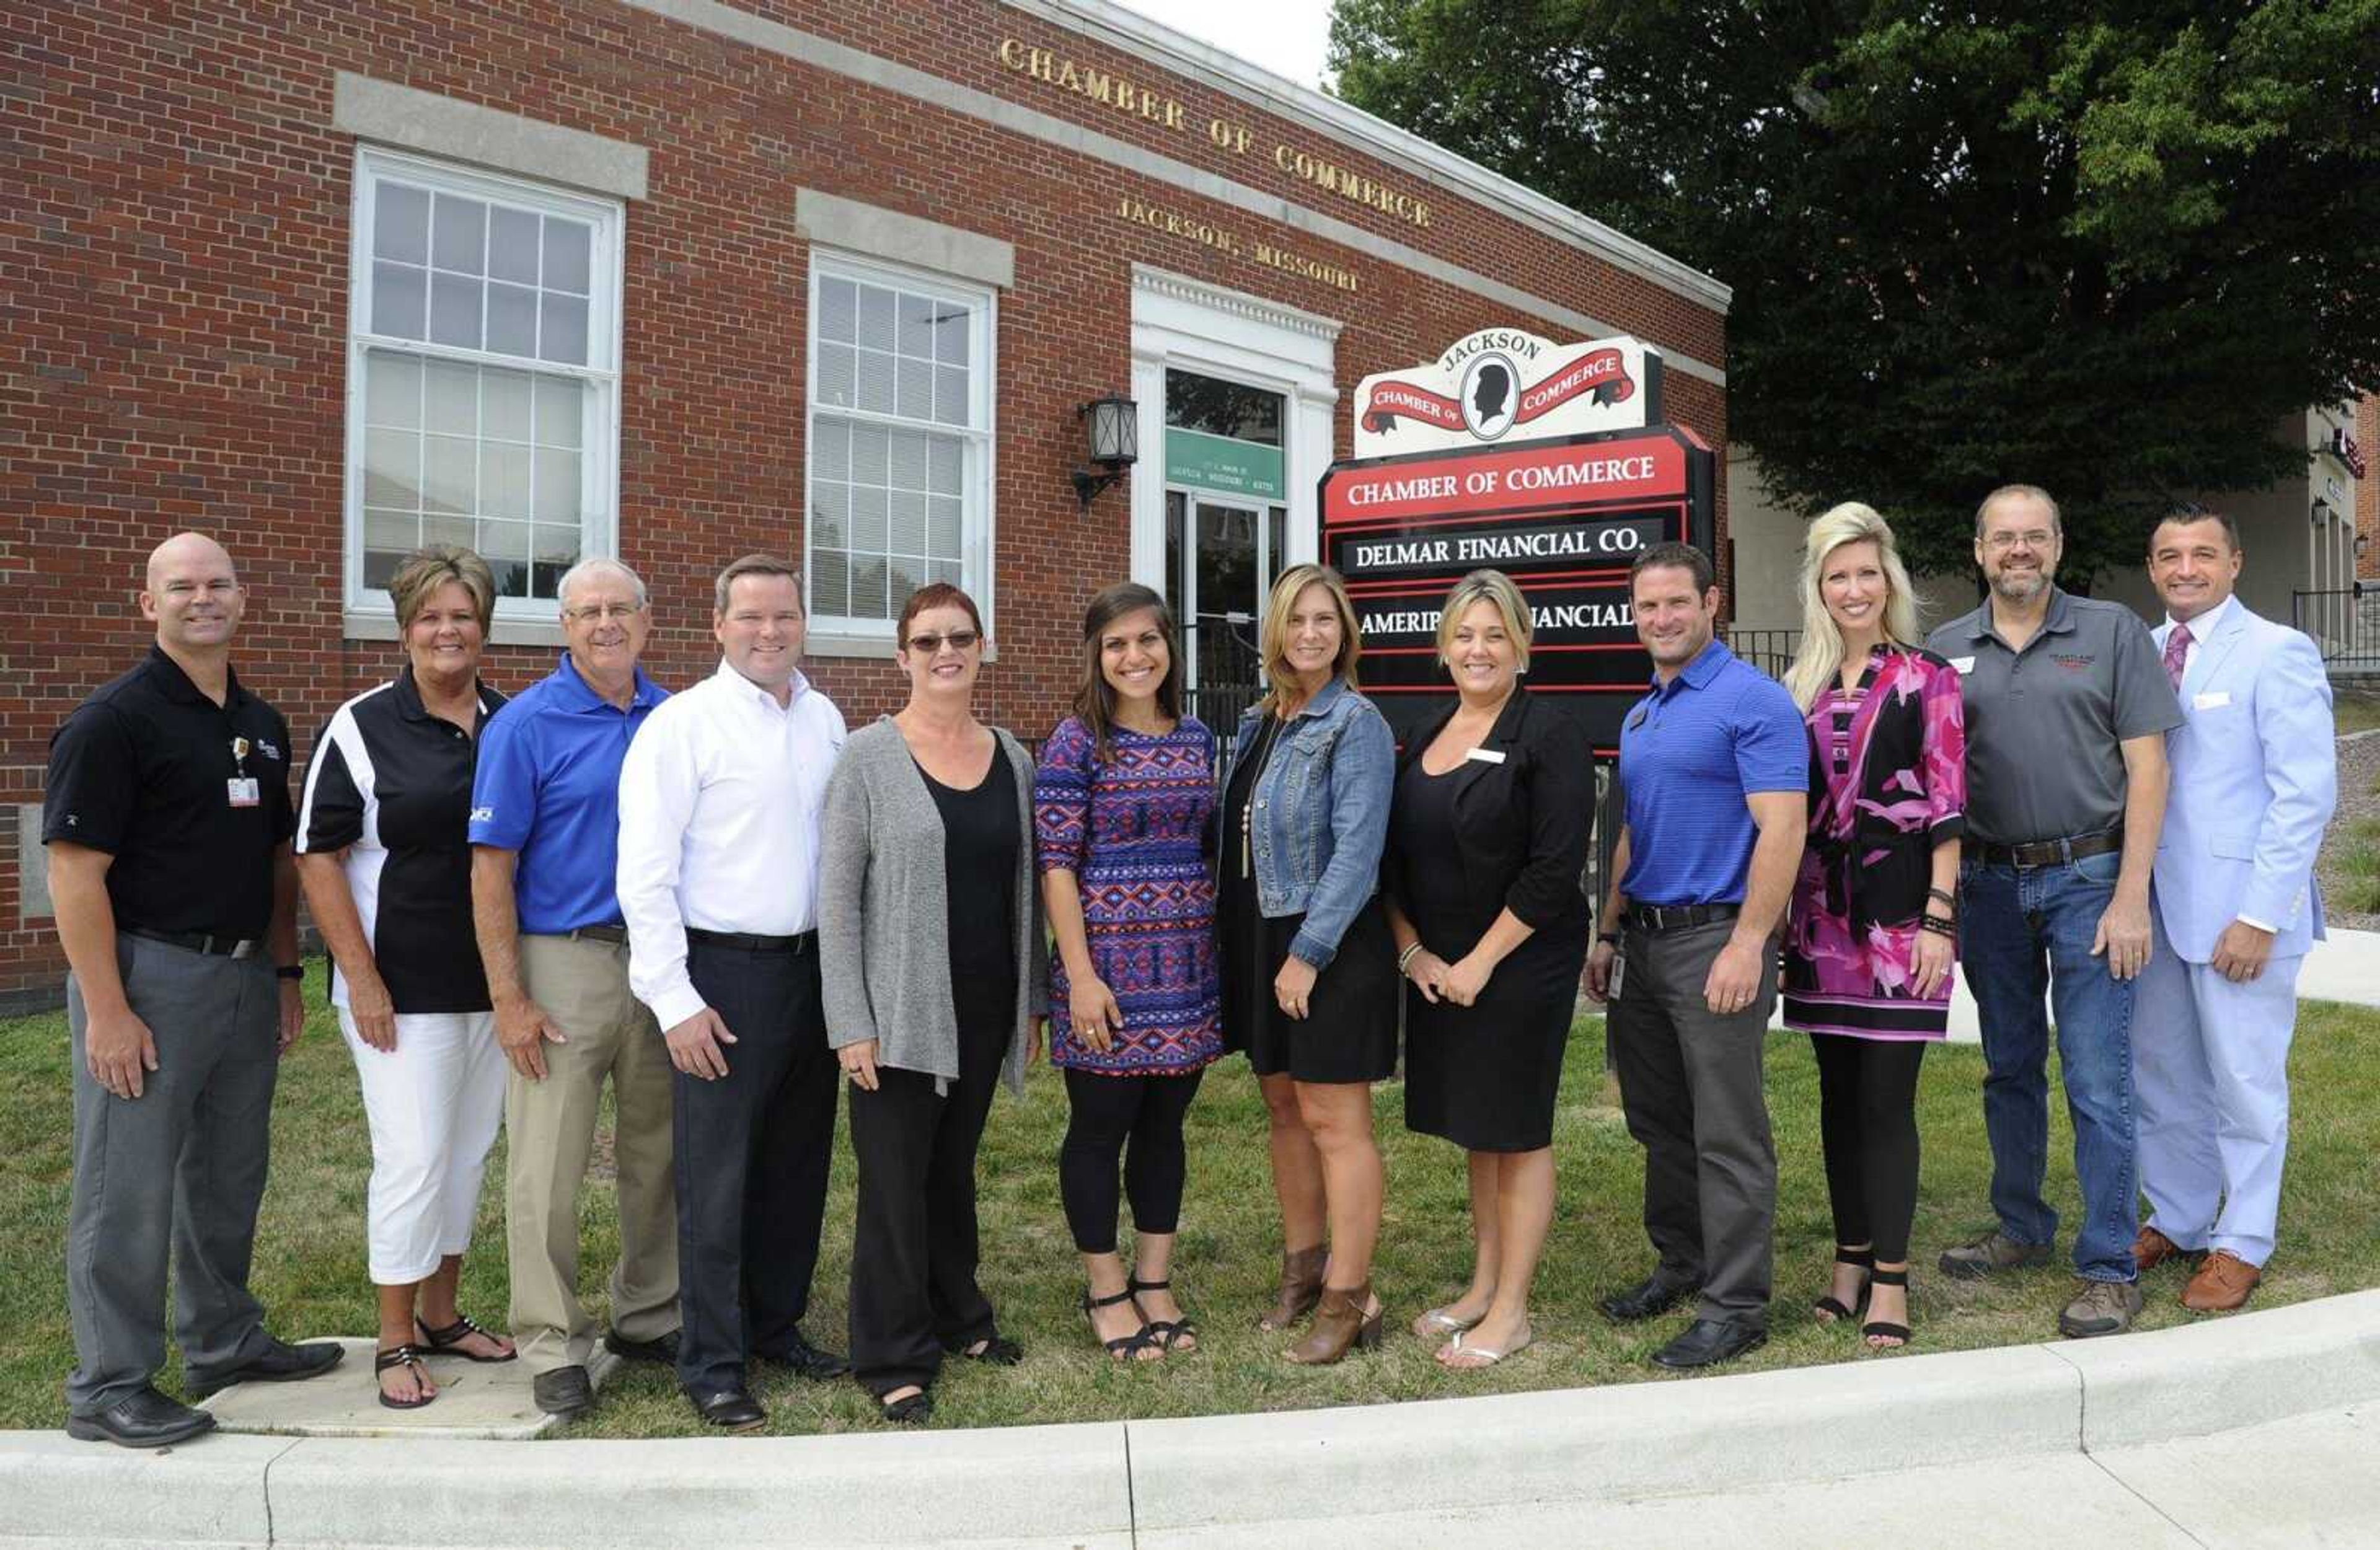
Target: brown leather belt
{"x":2050,"y":852}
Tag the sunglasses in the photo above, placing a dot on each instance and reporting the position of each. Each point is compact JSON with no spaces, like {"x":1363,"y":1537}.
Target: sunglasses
{"x":930,"y":645}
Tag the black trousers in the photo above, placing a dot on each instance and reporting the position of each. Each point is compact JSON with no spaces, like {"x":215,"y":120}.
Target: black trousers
{"x":1867,"y":1127}
{"x":752,"y":1151}
{"x":915,"y":1247}
{"x":1106,"y":1112}
{"x":1690,"y":1086}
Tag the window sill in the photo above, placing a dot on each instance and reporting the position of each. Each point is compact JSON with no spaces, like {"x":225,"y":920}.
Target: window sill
{"x":832,"y":644}
{"x":356,"y":625}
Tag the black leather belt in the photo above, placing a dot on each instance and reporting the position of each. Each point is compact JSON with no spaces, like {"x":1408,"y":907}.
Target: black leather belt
{"x":616,"y":935}
{"x":745,"y":941}
{"x":2049,"y":853}
{"x":1678,"y":917}
{"x":198,"y":942}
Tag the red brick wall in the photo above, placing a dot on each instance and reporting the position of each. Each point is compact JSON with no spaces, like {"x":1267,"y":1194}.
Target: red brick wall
{"x":174,"y":262}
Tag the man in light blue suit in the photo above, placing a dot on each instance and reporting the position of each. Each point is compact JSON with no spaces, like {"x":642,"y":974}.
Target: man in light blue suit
{"x":2254,"y":779}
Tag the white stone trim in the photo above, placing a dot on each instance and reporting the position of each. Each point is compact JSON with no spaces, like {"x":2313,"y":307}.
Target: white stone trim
{"x":404,"y":115}
{"x":909,"y":240}
{"x":1256,"y":308}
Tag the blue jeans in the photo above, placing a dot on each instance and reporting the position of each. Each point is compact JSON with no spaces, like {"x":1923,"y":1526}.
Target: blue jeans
{"x":2024,"y":931}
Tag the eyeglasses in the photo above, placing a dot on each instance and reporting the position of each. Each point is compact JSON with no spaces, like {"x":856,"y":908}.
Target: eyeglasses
{"x":592,"y":611}
{"x":928,"y":646}
{"x":2039,"y":538}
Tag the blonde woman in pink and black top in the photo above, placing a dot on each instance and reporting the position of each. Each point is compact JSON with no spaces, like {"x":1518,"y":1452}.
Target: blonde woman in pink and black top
{"x":1869,"y":940}
{"x":1122,"y":805}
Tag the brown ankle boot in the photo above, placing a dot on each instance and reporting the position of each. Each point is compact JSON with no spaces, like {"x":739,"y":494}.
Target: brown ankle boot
{"x":1339,"y":1322}
{"x":1301,"y":1285}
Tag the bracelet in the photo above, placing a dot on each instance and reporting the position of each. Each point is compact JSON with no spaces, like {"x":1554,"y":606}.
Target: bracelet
{"x":1406,"y":957}
{"x":1938,"y":926}
{"x":1611,"y":936}
{"x":1942,"y":896}
{"x":289,"y":970}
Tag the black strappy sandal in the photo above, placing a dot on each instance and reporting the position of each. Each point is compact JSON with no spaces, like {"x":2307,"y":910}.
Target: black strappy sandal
{"x":1123,"y":1347}
{"x":910,"y":1410}
{"x":444,"y":1342}
{"x":1163,"y":1332}
{"x":1828,"y":1305}
{"x":1877,"y":1329}
{"x":402,"y":1356}
{"x":998,"y":1349}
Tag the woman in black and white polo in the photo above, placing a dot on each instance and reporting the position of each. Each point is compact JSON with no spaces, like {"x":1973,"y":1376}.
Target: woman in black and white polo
{"x":386,"y":866}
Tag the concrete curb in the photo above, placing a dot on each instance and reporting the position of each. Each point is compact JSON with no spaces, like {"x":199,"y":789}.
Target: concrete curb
{"x":1100,"y":1485}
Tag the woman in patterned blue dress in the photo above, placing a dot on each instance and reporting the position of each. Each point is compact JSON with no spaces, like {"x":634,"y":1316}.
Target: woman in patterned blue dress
{"x":1121,"y":807}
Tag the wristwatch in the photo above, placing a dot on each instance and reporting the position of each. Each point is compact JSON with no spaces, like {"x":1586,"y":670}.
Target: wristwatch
{"x":289,"y":970}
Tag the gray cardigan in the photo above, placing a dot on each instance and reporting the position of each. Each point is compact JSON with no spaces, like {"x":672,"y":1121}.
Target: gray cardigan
{"x":884,"y":910}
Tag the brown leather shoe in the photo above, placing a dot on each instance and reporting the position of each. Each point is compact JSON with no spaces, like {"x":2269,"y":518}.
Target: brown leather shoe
{"x":1339,"y":1321}
{"x":1300,"y":1287}
{"x":2222,"y":1284}
{"x":2153,"y":1248}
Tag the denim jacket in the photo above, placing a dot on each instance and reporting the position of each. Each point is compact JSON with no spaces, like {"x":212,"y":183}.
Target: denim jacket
{"x":1321,"y":814}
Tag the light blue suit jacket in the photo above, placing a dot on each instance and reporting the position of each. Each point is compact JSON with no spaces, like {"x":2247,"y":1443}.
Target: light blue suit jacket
{"x":2256,"y":776}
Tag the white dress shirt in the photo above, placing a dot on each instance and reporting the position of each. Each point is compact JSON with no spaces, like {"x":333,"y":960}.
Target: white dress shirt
{"x":719,"y":799}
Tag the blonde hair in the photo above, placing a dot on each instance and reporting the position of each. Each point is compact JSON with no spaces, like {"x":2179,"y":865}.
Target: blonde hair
{"x":1273,"y":636}
{"x":1486,"y":586}
{"x":1821,"y":656}
{"x":428,"y":568}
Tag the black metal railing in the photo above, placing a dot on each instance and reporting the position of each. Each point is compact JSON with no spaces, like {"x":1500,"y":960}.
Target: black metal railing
{"x":2345,"y":625}
{"x":1770,"y":651}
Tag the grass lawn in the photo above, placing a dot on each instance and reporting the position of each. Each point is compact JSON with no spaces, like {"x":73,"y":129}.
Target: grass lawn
{"x":310,"y":1269}
{"x":2360,"y":861}
{"x":2356,"y":709}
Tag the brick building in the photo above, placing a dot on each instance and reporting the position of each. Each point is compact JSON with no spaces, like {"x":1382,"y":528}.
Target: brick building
{"x":679,"y":279}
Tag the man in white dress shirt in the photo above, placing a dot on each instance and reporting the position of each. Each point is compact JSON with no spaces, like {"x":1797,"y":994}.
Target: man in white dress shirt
{"x":719,"y":800}
{"x":2255,"y":777}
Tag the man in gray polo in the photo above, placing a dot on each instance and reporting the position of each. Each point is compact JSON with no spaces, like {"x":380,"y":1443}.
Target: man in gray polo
{"x":2067,"y":711}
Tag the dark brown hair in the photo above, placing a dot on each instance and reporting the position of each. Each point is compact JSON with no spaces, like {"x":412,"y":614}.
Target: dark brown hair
{"x":1095,"y":699}
{"x":1682,"y":556}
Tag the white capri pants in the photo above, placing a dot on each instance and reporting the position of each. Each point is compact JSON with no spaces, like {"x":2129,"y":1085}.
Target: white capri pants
{"x":435,"y":1104}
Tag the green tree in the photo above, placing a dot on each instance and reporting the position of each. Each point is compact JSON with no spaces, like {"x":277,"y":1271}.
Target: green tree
{"x":2102,"y":249}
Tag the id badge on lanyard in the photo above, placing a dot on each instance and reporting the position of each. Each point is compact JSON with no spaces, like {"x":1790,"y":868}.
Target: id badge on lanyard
{"x":241,"y":788}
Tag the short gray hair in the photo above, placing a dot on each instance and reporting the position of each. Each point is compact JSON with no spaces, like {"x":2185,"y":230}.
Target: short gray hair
{"x":588,"y":567}
{"x":2025,"y":491}
{"x":753,"y":565}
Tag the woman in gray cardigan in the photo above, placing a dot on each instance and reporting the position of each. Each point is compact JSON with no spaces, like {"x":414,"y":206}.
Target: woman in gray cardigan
{"x":929,"y":928}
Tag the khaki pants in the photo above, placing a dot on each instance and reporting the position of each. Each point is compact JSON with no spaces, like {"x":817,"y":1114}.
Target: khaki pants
{"x":549,"y":1126}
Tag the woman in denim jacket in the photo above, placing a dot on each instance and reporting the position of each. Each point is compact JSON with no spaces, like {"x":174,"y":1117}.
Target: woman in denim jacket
{"x":1309,"y":970}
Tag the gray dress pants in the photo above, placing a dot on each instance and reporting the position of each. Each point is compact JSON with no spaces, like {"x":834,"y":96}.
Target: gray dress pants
{"x":1691,"y":1086}
{"x":179,"y":1170}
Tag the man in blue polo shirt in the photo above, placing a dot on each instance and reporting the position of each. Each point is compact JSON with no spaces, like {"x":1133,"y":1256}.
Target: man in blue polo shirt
{"x":1715,"y":767}
{"x":545,"y":817}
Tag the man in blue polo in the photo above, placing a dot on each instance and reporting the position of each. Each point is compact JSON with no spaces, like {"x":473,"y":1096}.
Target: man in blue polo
{"x":545,"y":817}
{"x":1714,"y":767}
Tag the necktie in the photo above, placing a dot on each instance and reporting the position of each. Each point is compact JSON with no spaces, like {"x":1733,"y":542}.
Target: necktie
{"x":2177,"y":652}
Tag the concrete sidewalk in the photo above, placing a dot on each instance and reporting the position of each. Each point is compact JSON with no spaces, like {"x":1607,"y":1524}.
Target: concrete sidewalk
{"x":2051,"y":1439}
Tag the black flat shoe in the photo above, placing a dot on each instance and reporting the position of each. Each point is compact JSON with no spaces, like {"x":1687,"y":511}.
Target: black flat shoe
{"x":661,"y":1350}
{"x":997,"y":1350}
{"x":144,"y":1418}
{"x":731,"y":1409}
{"x":1708,"y":1343}
{"x":1649,"y":1298}
{"x":806,"y":1361}
{"x":445,"y":1341}
{"x":910,"y":1410}
{"x":564,"y":1392}
{"x":282,"y":1363}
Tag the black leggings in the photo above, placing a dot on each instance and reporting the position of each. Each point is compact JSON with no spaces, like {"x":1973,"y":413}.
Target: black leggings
{"x":1867,"y":1126}
{"x":1107,"y":1111}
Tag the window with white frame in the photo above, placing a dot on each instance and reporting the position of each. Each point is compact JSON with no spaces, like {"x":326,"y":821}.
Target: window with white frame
{"x":483,"y":377}
{"x":899,"y":439}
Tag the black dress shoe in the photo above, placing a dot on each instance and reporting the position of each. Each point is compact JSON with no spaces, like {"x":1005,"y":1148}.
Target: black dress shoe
{"x":805,"y":1360}
{"x":1709,"y":1342}
{"x":662,"y":1349}
{"x":282,"y":1363}
{"x":730,"y":1409}
{"x":564,"y":1392}
{"x":144,"y":1418}
{"x":1647,"y":1299}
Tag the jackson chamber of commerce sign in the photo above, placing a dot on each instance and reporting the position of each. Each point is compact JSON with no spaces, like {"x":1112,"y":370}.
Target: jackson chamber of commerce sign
{"x":1548,"y":462}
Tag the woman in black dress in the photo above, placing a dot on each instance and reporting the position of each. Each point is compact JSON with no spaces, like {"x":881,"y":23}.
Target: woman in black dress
{"x":1310,"y":978}
{"x":1486,"y":842}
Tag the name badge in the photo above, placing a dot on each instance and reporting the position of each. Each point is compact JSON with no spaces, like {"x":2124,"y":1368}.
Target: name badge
{"x":1619,"y":975}
{"x":243,"y":790}
{"x":1963,"y":664}
{"x":1486,"y":755}
{"x":2215,"y":701}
